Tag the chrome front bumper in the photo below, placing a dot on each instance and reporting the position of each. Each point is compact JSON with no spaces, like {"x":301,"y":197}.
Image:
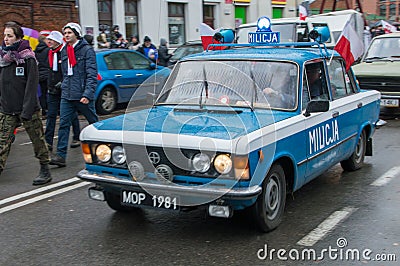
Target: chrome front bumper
{"x":240,"y":193}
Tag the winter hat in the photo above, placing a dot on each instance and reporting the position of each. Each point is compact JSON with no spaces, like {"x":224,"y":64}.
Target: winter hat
{"x":163,"y":42}
{"x":45,"y":32}
{"x":146,"y":39}
{"x":75,"y":27}
{"x":56,"y":36}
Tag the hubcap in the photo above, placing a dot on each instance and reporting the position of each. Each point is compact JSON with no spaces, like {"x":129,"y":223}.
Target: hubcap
{"x":108,"y":100}
{"x":272,"y":197}
{"x":359,"y":149}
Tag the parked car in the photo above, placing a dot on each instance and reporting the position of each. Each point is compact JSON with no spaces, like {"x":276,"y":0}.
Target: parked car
{"x":234,"y":129}
{"x":120,"y":73}
{"x":380,"y":70}
{"x":188,"y":48}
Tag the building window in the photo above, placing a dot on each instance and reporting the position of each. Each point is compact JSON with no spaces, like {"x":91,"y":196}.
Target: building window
{"x":240,"y":15}
{"x":392,"y":10}
{"x":382,"y":10}
{"x":131,"y":19}
{"x":105,"y":14}
{"x":176,"y":23}
{"x":208,"y":15}
{"x":277,"y":12}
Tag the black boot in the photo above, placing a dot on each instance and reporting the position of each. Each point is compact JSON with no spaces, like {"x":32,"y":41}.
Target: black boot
{"x":43,"y":177}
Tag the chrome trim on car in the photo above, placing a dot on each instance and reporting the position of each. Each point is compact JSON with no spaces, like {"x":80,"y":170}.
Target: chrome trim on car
{"x":231,"y":193}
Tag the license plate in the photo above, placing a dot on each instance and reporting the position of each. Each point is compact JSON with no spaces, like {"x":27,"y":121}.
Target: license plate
{"x":390,"y":102}
{"x":144,"y":199}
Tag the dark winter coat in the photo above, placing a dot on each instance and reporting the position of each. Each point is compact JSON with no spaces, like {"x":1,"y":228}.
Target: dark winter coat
{"x":55,"y":77}
{"x":163,"y":56}
{"x":42,"y":54}
{"x":83,"y":82}
{"x":18,"y":92}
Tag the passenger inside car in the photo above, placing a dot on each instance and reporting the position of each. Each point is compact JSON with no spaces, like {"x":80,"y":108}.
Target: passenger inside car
{"x":316,"y":81}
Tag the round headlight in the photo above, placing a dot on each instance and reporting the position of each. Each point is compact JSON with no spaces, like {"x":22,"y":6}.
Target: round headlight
{"x":118,"y":155}
{"x":103,"y":153}
{"x":201,"y":162}
{"x":223,"y":164}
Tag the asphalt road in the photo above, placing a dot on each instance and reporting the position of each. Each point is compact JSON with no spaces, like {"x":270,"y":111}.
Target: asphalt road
{"x":336,"y":216}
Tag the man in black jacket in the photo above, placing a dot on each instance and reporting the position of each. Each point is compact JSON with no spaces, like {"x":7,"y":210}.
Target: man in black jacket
{"x":55,"y":77}
{"x":79,"y":68}
{"x":41,"y":53}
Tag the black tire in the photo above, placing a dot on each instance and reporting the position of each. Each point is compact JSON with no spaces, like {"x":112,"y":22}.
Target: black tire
{"x":114,"y":202}
{"x":270,"y":205}
{"x":106,"y":101}
{"x":356,"y":160}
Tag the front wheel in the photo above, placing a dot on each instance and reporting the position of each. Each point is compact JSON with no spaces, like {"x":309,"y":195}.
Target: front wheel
{"x":270,"y":205}
{"x":356,"y":160}
{"x":106,"y":101}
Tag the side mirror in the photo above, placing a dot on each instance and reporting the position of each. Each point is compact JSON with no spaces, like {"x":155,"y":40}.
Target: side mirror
{"x":316,"y":106}
{"x":152,"y":66}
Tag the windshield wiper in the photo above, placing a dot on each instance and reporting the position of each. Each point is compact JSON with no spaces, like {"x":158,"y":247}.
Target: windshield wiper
{"x":205,"y":82}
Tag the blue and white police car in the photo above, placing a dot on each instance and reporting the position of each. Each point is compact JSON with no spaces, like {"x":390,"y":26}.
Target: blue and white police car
{"x":233,"y":129}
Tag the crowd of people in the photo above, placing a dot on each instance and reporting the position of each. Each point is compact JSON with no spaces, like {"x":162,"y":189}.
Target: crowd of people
{"x":116,"y":40}
{"x":58,"y":78}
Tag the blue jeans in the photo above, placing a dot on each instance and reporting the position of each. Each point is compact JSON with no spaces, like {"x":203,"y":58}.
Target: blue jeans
{"x":68,"y":110}
{"x":53,"y":107}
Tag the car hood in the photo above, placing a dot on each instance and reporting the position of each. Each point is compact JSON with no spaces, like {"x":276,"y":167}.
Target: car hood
{"x":224,"y":124}
{"x":378,"y":69}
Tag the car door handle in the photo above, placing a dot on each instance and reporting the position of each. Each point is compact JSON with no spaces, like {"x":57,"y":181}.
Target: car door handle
{"x":118,"y":75}
{"x":359,"y":105}
{"x":335,"y":114}
{"x":139,"y":74}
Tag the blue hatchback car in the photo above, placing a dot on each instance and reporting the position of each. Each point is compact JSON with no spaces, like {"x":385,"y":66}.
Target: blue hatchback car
{"x":234,"y":129}
{"x":120,"y":73}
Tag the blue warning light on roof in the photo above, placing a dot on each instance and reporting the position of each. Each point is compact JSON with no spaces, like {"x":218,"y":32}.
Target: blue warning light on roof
{"x":264,"y":34}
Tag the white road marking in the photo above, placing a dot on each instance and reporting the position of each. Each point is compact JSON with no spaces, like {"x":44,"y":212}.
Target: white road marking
{"x":39,"y":190}
{"x":41,"y":197}
{"x":325,"y":227}
{"x":386,"y":177}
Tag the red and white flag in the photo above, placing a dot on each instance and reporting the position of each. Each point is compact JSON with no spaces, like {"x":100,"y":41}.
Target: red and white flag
{"x":207,"y":33}
{"x":387,"y":27}
{"x":302,"y":12}
{"x":349,"y":45}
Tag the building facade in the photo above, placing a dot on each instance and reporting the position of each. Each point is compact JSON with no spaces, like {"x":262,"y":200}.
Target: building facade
{"x":373,"y":9}
{"x":39,"y":15}
{"x":176,"y":20}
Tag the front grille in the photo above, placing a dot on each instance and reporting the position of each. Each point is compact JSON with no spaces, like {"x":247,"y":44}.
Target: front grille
{"x":178,"y":160}
{"x":382,"y":84}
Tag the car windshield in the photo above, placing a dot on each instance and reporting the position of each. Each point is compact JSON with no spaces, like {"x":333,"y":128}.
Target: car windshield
{"x":253,"y":84}
{"x":384,"y":48}
{"x":186,"y":50}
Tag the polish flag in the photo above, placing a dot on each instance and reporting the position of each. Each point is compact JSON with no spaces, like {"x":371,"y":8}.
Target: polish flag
{"x":387,"y":27}
{"x":349,"y":45}
{"x":302,"y":12}
{"x":207,"y":34}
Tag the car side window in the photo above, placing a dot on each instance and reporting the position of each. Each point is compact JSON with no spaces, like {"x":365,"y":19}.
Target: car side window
{"x":116,"y":61}
{"x":316,"y":81}
{"x":306,"y":94}
{"x":136,"y":61}
{"x":339,"y":87}
{"x":350,"y":82}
